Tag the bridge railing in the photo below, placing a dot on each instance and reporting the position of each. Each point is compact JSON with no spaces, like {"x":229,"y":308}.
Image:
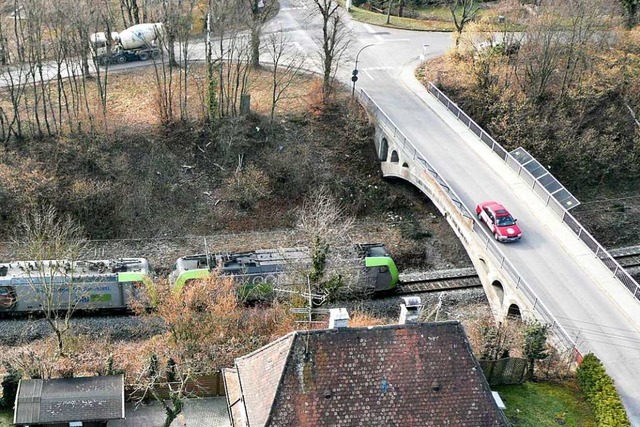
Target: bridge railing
{"x":409,"y":148}
{"x":522,"y":285}
{"x":556,"y":207}
{"x":490,"y":244}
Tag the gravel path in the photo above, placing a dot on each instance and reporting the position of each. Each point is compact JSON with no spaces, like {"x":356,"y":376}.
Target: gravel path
{"x":19,"y":331}
{"x":452,"y":303}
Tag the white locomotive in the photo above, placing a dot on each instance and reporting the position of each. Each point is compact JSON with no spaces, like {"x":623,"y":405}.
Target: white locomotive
{"x":30,"y":286}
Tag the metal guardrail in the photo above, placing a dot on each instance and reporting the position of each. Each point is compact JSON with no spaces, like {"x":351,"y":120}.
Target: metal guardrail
{"x":556,"y":207}
{"x":409,"y":149}
{"x":488,"y":242}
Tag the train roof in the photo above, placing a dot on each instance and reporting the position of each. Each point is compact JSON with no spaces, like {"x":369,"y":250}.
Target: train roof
{"x":264,"y":256}
{"x":261,"y":257}
{"x":81,"y":268}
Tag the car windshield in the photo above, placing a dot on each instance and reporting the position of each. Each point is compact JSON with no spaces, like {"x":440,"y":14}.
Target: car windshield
{"x":505,"y":221}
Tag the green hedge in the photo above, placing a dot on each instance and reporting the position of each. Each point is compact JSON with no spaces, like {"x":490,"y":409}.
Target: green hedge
{"x":602,"y":395}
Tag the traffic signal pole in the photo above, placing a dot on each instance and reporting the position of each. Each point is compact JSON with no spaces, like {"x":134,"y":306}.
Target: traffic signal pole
{"x":354,"y":73}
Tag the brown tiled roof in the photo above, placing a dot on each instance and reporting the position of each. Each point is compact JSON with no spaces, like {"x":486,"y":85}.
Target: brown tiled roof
{"x":264,"y":369}
{"x":70,"y":399}
{"x":399,"y":375}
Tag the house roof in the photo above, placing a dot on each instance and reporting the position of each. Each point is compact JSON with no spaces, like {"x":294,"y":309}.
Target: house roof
{"x":70,"y":399}
{"x":398,"y":375}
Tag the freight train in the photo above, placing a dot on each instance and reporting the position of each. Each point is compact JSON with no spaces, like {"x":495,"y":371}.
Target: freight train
{"x":32,"y":286}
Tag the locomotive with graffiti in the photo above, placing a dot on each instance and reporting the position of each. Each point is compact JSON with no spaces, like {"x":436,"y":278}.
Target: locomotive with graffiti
{"x":31,"y":286}
{"x":267,"y":268}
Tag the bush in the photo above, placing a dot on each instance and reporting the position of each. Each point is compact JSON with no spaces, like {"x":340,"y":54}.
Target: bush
{"x":601,"y":394}
{"x":9,"y":387}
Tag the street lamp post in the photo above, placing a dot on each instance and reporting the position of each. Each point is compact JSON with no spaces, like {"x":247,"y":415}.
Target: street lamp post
{"x":354,"y":73}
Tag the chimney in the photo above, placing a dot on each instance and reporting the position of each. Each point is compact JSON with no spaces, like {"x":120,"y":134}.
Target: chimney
{"x":410,"y":310}
{"x":338,"y":318}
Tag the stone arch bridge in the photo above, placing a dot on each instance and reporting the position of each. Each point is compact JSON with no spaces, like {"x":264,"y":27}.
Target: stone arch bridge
{"x":507,"y":291}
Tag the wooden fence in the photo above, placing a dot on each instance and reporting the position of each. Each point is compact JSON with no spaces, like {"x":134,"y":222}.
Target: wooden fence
{"x":209,"y":385}
{"x":511,"y":370}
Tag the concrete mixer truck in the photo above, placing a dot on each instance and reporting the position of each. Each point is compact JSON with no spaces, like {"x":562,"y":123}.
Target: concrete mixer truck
{"x":136,"y":43}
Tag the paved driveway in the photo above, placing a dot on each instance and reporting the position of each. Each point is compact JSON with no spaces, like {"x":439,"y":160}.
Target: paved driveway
{"x":204,"y":412}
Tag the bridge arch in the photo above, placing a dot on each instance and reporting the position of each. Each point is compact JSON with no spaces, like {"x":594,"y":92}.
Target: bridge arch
{"x":483,"y":264}
{"x":514,"y":312}
{"x":394,"y":157}
{"x":405,"y":165}
{"x":496,"y":285}
{"x":384,"y":149}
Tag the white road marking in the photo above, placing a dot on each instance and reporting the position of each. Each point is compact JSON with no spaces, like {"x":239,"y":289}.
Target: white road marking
{"x":370,"y":76}
{"x":383,"y":68}
{"x":371,"y":30}
{"x":301,"y":7}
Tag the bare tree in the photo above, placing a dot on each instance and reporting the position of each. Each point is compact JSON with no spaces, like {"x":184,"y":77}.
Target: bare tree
{"x":166,"y":386}
{"x":207,"y":328}
{"x":47,"y":238}
{"x":588,"y":22}
{"x":172,"y":78}
{"x":334,"y":42}
{"x":234,"y":75}
{"x":285,"y":68}
{"x":560,"y":40}
{"x":256,"y":14}
{"x":462,"y":11}
{"x":333,"y":270}
{"x":130,"y":12}
{"x":211,"y":99}
{"x":540,"y":56}
{"x":229,"y":57}
{"x":173,"y":17}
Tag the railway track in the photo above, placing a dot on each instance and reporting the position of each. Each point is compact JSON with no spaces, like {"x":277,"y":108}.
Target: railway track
{"x":441,"y":280}
{"x":461,"y":278}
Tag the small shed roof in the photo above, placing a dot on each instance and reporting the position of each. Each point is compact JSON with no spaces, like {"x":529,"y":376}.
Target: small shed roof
{"x":69,"y":399}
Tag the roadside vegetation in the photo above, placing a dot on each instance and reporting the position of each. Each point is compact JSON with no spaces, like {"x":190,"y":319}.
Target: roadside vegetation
{"x":6,"y":418}
{"x":546,"y":404}
{"x":435,"y":15}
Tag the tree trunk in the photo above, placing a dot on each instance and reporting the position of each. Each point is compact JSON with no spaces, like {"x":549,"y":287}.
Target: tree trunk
{"x":255,"y":46}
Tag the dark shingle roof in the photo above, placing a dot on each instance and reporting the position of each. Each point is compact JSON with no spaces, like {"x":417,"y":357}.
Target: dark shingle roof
{"x":70,"y":399}
{"x":398,"y":375}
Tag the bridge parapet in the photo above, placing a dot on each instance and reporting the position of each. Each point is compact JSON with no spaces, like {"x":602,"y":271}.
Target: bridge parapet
{"x":558,"y":205}
{"x":424,"y":176}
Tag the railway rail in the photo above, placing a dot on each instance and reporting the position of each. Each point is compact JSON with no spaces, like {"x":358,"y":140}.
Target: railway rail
{"x":461,"y":278}
{"x":441,"y":280}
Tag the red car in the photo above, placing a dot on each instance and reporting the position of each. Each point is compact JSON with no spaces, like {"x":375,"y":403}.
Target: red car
{"x":499,"y":220}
